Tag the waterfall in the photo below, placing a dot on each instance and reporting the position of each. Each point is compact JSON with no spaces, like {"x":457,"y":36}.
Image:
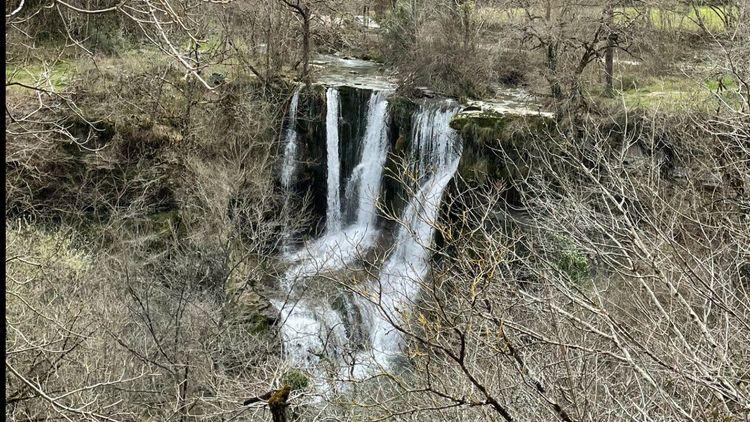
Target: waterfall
{"x":369,"y":171}
{"x":310,"y":331}
{"x":436,"y":152}
{"x":290,"y":137}
{"x":310,"y":328}
{"x":338,"y":248}
{"x":333,"y":213}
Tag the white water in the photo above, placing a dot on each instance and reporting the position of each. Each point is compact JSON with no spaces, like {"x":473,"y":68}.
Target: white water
{"x":289,"y":162}
{"x":338,"y":248}
{"x":308,"y":331}
{"x":369,"y":171}
{"x":331,"y":252}
{"x":436,"y":154}
{"x":333,"y":212}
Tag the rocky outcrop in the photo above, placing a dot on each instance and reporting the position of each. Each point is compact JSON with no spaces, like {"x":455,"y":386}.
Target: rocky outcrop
{"x":494,"y":145}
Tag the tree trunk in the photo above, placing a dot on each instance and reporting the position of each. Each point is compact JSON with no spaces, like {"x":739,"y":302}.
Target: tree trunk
{"x":609,"y":53}
{"x":278,"y":414}
{"x":278,"y":404}
{"x":552,"y":67}
{"x":552,"y":54}
{"x":306,"y":45}
{"x":609,"y":58}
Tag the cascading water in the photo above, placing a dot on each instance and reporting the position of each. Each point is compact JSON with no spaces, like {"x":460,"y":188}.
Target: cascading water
{"x":338,"y":248}
{"x":289,"y":160}
{"x":333,"y":212}
{"x":436,"y":151}
{"x":310,"y":331}
{"x":369,"y":171}
{"x":288,"y":164}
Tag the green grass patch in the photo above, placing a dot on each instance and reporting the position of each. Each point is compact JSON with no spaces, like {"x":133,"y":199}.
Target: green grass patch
{"x":673,"y":92}
{"x":684,"y":18}
{"x":211,"y":43}
{"x":571,"y":261}
{"x":53,"y":77}
{"x":295,"y":379}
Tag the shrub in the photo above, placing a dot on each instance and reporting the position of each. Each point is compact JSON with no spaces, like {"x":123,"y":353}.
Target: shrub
{"x":295,"y":379}
{"x":574,"y":264}
{"x":438,"y":48}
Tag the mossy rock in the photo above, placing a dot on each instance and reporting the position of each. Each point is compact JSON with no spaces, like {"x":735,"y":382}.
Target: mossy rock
{"x":491,"y":127}
{"x":482,"y":126}
{"x":248,"y":307}
{"x":401,"y":110}
{"x":494,"y":147}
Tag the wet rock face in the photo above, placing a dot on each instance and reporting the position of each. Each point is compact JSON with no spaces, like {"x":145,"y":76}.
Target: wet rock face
{"x":352,"y":126}
{"x":400,"y":111}
{"x":481,"y":161}
{"x":313,"y":159}
{"x":493,"y":145}
{"x":311,"y":175}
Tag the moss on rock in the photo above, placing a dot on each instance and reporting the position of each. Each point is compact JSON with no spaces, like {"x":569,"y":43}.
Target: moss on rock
{"x":494,"y":145}
{"x":484,"y":126}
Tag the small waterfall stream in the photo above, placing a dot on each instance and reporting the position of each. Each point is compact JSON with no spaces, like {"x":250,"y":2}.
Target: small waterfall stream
{"x":368,"y":174}
{"x":333,"y":212}
{"x":436,"y":151}
{"x":289,"y":162}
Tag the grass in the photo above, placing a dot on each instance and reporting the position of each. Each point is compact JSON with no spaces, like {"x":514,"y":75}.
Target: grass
{"x":211,"y":43}
{"x":58,"y":74}
{"x":54,"y":77}
{"x":672,"y":92}
{"x":494,"y":15}
{"x":685,"y":18}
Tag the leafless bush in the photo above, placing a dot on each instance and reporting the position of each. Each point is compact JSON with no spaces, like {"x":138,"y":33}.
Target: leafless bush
{"x":434,"y":44}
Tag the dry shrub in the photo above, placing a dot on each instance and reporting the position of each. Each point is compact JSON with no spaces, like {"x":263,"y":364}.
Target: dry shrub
{"x":437,"y":47}
{"x":126,"y":332}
